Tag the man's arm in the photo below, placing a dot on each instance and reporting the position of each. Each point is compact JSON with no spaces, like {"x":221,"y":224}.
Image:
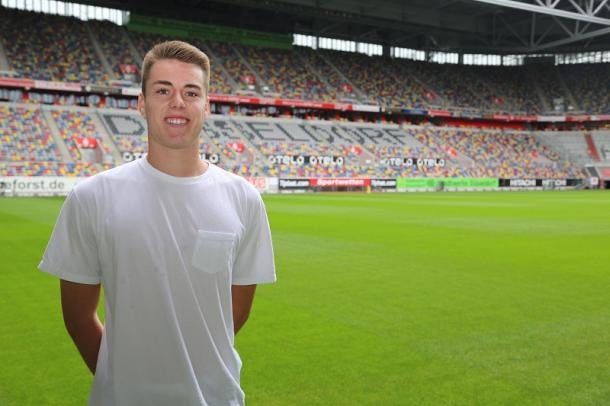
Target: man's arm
{"x":242,"y":297}
{"x":79,"y":305}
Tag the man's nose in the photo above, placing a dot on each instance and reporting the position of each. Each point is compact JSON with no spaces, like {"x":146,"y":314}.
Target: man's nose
{"x":177,"y":101}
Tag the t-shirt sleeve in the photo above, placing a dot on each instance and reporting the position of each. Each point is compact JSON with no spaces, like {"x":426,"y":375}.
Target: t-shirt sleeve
{"x":71,"y":253}
{"x":254,"y":262}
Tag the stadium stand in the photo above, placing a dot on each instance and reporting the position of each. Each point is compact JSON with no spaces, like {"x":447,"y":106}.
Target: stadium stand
{"x":339,"y":88}
{"x":602,"y":142}
{"x":229,"y":72}
{"x":569,"y":145}
{"x":509,"y":89}
{"x":368,"y":74}
{"x":69,"y":50}
{"x":551,"y":89}
{"x":284,"y":73}
{"x":263,"y":146}
{"x":45,"y":47}
{"x":25,"y":136}
{"x":454,"y":85}
{"x":127,"y":130}
{"x":116,"y":47}
{"x":220,"y":81}
{"x":589,"y":84}
{"x":64,"y":49}
{"x":496,"y":154}
{"x":73,"y":126}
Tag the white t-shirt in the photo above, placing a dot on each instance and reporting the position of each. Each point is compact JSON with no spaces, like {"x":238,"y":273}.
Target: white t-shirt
{"x":166,"y":250}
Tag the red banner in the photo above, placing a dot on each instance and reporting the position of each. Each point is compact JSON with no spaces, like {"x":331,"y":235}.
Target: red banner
{"x":524,"y":118}
{"x":279,"y":102}
{"x":339,"y":182}
{"x":259,"y":183}
{"x":439,"y":113}
{"x":87,"y":143}
{"x":128,"y":68}
{"x":237,"y":146}
{"x":248,"y":79}
{"x":578,"y":118}
{"x":8,"y":82}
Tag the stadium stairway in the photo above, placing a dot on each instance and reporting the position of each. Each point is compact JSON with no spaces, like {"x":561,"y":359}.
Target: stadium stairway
{"x":4,"y":66}
{"x":602,"y":142}
{"x":132,"y":48}
{"x":207,"y":140}
{"x":490,"y":89}
{"x":570,"y":145}
{"x":454,"y":154}
{"x":361,"y":95}
{"x":592,"y":148}
{"x":476,"y":95}
{"x":258,"y":155}
{"x":313,"y":69}
{"x":59,"y":141}
{"x":106,"y":138}
{"x":99,"y":52}
{"x":533,"y":81}
{"x":259,"y":81}
{"x":566,"y":90}
{"x":220,"y":65}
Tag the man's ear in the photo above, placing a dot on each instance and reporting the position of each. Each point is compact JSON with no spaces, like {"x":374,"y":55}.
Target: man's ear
{"x":141,"y":104}
{"x":206,"y":111}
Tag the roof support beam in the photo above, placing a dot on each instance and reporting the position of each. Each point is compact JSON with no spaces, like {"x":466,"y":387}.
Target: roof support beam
{"x":577,"y":7}
{"x":532,"y":38}
{"x":574,"y":38}
{"x":599,"y":7}
{"x":551,"y":9}
{"x":513,"y":31}
{"x":562,"y":25}
{"x":533,"y":30}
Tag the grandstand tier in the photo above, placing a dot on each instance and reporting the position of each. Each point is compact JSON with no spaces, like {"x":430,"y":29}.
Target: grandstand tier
{"x":62,"y":49}
{"x":288,"y":147}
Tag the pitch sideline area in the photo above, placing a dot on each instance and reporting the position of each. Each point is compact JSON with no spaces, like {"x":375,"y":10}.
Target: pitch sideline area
{"x":393,"y":299}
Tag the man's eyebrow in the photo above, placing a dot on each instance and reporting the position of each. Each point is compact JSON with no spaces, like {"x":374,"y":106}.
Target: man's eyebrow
{"x":163,"y":82}
{"x":193,"y":85}
{"x":168,"y":83}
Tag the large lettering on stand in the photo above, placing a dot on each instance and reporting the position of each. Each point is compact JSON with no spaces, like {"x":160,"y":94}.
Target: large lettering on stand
{"x":132,"y":156}
{"x":301,"y":160}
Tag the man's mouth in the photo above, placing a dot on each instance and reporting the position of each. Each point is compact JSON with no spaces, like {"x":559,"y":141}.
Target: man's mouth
{"x":176,"y":120}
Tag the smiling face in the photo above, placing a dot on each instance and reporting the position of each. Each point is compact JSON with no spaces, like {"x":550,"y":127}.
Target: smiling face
{"x":175,"y":105}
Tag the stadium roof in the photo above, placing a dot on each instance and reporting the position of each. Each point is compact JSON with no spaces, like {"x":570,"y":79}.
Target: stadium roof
{"x":468,"y":26}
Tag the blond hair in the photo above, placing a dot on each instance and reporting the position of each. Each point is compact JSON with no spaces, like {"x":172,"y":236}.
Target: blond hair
{"x":181,"y":51}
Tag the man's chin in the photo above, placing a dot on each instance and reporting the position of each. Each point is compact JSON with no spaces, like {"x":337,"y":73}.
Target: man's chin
{"x":182,"y":146}
{"x":179,"y":145}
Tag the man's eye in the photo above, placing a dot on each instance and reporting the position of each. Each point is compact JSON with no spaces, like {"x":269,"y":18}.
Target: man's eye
{"x":162,"y":91}
{"x":192,"y":94}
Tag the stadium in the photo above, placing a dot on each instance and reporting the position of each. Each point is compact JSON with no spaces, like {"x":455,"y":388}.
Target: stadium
{"x":489,"y":291}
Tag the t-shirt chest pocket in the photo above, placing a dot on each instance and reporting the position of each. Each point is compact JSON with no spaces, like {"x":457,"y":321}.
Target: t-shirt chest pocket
{"x":213,"y":251}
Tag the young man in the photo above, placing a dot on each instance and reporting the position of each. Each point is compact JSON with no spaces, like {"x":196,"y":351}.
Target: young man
{"x":178,"y":245}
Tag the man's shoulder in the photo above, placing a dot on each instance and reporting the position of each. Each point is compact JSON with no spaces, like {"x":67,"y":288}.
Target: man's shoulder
{"x":99,"y":182}
{"x":238,"y":184}
{"x":230,"y":179}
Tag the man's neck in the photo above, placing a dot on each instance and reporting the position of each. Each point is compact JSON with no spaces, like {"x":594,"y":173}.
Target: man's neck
{"x":179,"y":163}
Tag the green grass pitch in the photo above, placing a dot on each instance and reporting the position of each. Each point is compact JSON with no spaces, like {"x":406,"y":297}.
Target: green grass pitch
{"x":382,"y":299}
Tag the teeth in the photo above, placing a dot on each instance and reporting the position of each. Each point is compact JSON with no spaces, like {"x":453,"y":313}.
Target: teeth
{"x":175,"y":121}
